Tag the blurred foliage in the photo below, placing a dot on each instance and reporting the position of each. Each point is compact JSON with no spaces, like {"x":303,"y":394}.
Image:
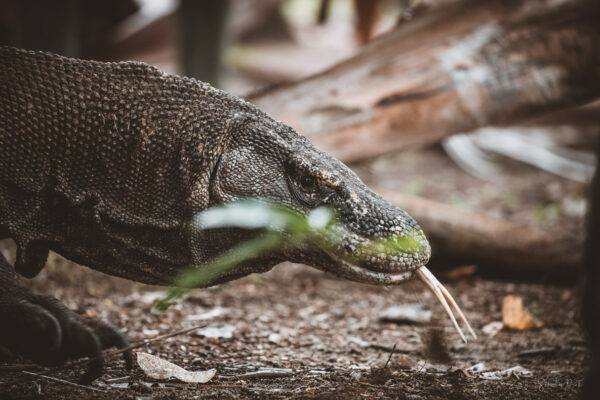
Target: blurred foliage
{"x":279,"y":226}
{"x":547,"y":212}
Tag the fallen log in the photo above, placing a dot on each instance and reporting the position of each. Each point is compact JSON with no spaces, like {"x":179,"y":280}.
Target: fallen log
{"x":498,"y":247}
{"x":452,"y":70}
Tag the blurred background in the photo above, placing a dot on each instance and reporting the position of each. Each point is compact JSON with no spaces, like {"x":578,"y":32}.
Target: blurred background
{"x":479,"y":118}
{"x":238,"y":45}
{"x":487,"y":107}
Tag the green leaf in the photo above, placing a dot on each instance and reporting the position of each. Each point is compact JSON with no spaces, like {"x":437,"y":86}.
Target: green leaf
{"x":280,"y":226}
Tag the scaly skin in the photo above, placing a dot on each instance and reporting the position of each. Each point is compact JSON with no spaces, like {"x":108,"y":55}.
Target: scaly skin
{"x":107,"y":163}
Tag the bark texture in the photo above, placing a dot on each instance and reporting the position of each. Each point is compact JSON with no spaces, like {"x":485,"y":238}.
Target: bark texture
{"x":498,"y":247}
{"x":455,"y":69}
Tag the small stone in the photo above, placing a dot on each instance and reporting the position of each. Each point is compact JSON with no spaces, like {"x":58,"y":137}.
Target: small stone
{"x":492,"y":328}
{"x":224,"y":332}
{"x":274,"y":337}
{"x":407,"y":313}
{"x":150,"y":332}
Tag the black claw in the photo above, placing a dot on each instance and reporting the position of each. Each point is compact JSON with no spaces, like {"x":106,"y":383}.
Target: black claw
{"x":56,"y":340}
{"x":30,"y":330}
{"x":42,"y":329}
{"x":85,"y":342}
{"x":50,"y":326}
{"x":128,"y":356}
{"x":111,"y":336}
{"x":95,"y":367}
{"x":123,"y":342}
{"x":79,"y":339}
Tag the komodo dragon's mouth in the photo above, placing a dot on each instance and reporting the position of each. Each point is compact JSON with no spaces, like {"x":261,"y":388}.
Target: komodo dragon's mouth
{"x":361,"y":274}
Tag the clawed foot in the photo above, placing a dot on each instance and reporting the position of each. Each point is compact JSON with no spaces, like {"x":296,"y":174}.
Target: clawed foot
{"x":42,"y":329}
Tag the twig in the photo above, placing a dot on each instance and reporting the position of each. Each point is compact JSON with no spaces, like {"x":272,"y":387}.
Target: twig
{"x":119,"y":379}
{"x":544,"y":351}
{"x":390,"y":357}
{"x":110,"y":353}
{"x":264,"y":373}
{"x":64,"y":382}
{"x":381,"y":387}
{"x":222,"y":386}
{"x":389,"y":348}
{"x":18,"y":367}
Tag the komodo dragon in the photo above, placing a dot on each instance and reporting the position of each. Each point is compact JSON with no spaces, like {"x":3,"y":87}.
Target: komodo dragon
{"x":106,"y":164}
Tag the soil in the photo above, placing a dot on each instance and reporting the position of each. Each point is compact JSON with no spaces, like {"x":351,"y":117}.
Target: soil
{"x":328,"y":332}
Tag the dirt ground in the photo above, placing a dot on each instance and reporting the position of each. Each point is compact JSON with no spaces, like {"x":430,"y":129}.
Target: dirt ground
{"x":327,"y":334}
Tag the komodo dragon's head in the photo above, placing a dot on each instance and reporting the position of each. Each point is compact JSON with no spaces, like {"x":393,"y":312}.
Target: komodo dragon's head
{"x":263,"y":158}
{"x":267,"y":159}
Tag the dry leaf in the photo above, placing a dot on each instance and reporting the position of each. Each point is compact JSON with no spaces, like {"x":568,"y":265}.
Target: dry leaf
{"x":414,"y":312}
{"x":480,"y":371}
{"x":517,"y":371}
{"x":156,"y":367}
{"x":515,"y":316}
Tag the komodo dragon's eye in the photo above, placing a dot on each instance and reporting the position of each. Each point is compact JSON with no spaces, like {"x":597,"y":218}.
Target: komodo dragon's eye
{"x":307,"y":183}
{"x":306,"y":188}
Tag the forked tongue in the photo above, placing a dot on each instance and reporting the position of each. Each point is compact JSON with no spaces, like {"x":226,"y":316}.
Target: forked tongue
{"x":444,"y":297}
